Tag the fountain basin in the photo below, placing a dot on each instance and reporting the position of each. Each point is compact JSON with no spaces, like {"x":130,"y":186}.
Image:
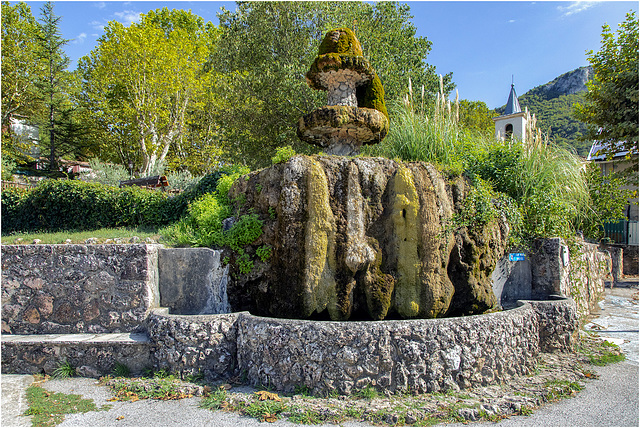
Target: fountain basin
{"x":426,"y":355}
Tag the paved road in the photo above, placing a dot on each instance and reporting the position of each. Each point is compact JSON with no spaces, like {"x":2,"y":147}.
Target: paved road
{"x":611,"y":400}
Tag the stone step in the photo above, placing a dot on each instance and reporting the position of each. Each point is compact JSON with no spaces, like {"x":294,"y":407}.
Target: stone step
{"x":92,"y":355}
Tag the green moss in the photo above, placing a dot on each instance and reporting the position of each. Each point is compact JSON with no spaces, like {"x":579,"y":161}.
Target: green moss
{"x":378,"y":287}
{"x":371,"y":95}
{"x":405,"y":226}
{"x":320,"y":285}
{"x":347,"y":43}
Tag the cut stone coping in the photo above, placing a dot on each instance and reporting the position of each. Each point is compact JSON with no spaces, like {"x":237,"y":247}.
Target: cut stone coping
{"x":119,"y":338}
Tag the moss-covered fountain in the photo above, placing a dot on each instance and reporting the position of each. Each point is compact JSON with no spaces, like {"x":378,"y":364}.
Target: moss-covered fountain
{"x":360,"y":278}
{"x":360,"y":238}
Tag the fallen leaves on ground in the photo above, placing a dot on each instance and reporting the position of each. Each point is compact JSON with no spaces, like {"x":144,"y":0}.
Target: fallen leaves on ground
{"x":266,"y":395}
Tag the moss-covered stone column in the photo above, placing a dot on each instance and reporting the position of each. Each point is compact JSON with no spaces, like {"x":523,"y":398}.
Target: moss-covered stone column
{"x":355,"y":113}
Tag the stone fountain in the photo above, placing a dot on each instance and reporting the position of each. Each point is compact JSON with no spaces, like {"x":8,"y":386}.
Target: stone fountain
{"x":352,"y":239}
{"x":355,"y":113}
{"x":360,"y":238}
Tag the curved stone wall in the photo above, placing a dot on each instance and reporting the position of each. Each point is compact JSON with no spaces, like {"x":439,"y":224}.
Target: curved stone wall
{"x":189,"y":344}
{"x":414,"y":355}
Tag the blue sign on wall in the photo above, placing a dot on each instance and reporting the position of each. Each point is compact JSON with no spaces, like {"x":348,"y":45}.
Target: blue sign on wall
{"x":516,"y":257}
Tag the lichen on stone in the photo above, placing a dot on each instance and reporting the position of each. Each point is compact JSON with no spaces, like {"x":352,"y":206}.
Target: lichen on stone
{"x":404,"y":219}
{"x":320,"y":283}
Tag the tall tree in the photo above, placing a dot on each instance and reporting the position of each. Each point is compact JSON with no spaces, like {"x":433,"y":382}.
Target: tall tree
{"x":611,"y":108}
{"x":20,"y":69}
{"x":52,"y":85}
{"x":476,"y":116}
{"x":142,"y":81}
{"x":267,"y":47}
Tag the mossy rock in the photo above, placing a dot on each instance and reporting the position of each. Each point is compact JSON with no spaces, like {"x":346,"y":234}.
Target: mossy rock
{"x":341,"y":41}
{"x":371,"y":95}
{"x":335,"y":62}
{"x":321,"y":126}
{"x":341,"y":50}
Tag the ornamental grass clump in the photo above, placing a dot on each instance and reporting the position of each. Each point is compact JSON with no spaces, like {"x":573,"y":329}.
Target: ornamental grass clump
{"x":540,"y":188}
{"x":422,"y":133}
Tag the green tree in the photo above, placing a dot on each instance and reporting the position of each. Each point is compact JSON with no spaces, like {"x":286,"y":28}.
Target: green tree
{"x":476,"y":116}
{"x":141,"y":97}
{"x":266,"y":48}
{"x":609,"y":199}
{"x":611,"y":107}
{"x":53,"y":83}
{"x":20,"y":69}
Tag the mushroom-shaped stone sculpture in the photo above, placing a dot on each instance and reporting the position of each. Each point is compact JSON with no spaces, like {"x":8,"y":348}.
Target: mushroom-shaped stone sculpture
{"x":355,"y":113}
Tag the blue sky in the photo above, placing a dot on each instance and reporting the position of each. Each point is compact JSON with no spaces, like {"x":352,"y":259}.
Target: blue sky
{"x":482,"y":43}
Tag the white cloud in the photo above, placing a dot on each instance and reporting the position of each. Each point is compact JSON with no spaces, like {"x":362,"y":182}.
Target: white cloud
{"x":79,"y":38}
{"x":576,"y":7}
{"x":511,"y":21}
{"x":128,"y":17}
{"x":97,"y":25}
{"x":100,"y":5}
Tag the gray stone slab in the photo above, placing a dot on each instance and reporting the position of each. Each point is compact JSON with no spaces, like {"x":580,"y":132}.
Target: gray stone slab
{"x":14,"y":400}
{"x":76,"y":338}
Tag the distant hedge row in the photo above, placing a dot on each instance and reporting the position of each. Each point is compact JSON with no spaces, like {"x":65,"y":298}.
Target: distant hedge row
{"x":77,"y":205}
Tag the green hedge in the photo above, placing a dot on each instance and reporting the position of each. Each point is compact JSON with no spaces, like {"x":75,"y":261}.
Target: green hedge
{"x":77,"y":205}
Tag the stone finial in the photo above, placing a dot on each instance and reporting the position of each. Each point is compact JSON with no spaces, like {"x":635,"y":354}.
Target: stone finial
{"x":355,"y":113}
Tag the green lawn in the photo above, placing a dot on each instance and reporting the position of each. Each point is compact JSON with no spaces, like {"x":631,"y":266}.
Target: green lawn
{"x":79,"y":237}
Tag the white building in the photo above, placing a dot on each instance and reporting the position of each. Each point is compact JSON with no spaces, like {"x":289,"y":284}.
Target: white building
{"x":513,"y":123}
{"x":27,"y":135}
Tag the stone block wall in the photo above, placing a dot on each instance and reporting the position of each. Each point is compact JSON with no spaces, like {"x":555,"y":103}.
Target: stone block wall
{"x":192,"y":281}
{"x":585,"y":277}
{"x":414,"y":355}
{"x":78,"y":288}
{"x":91,"y":355}
{"x":630,"y":260}
{"x":557,"y":323}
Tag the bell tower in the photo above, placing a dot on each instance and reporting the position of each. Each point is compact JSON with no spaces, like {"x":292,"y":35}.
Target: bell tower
{"x":513,"y":123}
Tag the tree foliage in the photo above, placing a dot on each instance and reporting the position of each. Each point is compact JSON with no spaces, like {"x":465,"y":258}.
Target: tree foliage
{"x":20,"y":67}
{"x":53,"y":82}
{"x":611,"y":106}
{"x":142,"y":82}
{"x":266,"y":48}
{"x":476,"y":116}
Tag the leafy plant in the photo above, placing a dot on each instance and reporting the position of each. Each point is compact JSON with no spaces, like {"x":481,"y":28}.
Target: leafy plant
{"x":216,"y":400}
{"x":105,"y":173}
{"x":302,"y":390}
{"x":121,"y":370}
{"x":368,"y":393}
{"x":64,"y":370}
{"x":283,"y":154}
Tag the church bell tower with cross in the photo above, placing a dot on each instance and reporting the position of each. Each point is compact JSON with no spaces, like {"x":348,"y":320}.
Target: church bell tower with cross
{"x":513,"y":123}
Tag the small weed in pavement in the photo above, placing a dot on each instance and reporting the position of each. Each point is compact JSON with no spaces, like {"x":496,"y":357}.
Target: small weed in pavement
{"x":64,"y":370}
{"x":558,"y":389}
{"x":597,"y":351}
{"x":49,"y":408}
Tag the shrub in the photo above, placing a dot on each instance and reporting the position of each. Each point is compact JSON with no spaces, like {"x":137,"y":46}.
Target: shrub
{"x":56,"y":205}
{"x":104,"y":173}
{"x":283,"y":154}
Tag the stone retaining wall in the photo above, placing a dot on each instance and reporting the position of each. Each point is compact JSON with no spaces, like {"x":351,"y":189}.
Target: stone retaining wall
{"x":586,"y":274}
{"x":92,"y":355}
{"x":558,"y":324}
{"x":78,"y":288}
{"x":414,"y":355}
